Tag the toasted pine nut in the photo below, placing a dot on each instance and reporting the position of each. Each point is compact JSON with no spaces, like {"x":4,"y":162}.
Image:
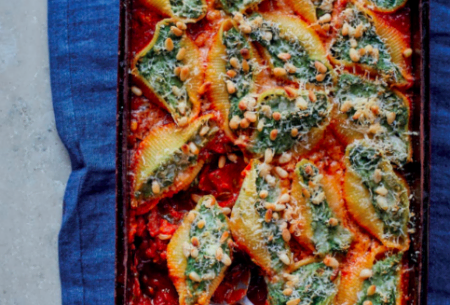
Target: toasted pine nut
{"x":377,"y":175}
{"x":245,"y":53}
{"x":193,"y":148}
{"x":365,"y":274}
{"x":268,"y":216}
{"x":320,"y":67}
{"x":390,"y":117}
{"x":224,"y":237}
{"x":369,"y":49}
{"x":273,"y":134}
{"x":156,"y":188}
{"x":244,"y":123}
{"x":371,"y":290}
{"x":231,"y":73}
{"x":345,"y":29}
{"x":177,"y":71}
{"x":346,"y":106}
{"x":204,"y":130}
{"x":219,"y":254}
{"x":136,"y":91}
{"x":243,"y":104}
{"x":169,"y":44}
{"x":263,"y":194}
{"x":279,"y":72}
{"x":184,"y":73}
{"x":290,"y":68}
{"x":201,"y":224}
{"x":331,"y":262}
{"x":284,"y":56}
{"x":276,"y":116}
{"x":407,"y":52}
{"x":222,"y":161}
{"x":234,"y":62}
{"x":284,"y":258}
{"x":367,"y":302}
{"x":232,"y":157}
{"x":195,"y":277}
{"x":226,"y":260}
{"x":381,"y":191}
{"x":287,"y":291}
{"x":268,"y":156}
{"x":231,"y":88}
{"x":181,"y":25}
{"x":250,"y":116}
{"x":325,"y":18}
{"x":312,"y":96}
{"x":320,"y":77}
{"x":294,"y":132}
{"x":333,"y":222}
{"x":246,"y":29}
{"x":359,"y":30}
{"x":181,"y":54}
{"x":306,"y":193}
{"x":354,"y":55}
{"x":176,"y":31}
{"x":285,"y":158}
{"x":245,"y":66}
{"x":281,"y":172}
{"x":234,"y":122}
{"x":293,"y":302}
{"x":195,"y":242}
{"x":286,"y":235}
{"x":195,"y":198}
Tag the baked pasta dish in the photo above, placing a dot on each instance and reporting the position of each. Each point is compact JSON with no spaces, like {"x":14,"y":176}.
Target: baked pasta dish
{"x":267,"y":142}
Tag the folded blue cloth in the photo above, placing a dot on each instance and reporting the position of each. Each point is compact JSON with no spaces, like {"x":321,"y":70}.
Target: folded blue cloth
{"x":83,"y":41}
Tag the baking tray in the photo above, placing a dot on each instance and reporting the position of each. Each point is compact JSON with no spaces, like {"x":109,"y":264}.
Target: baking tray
{"x":417,"y":173}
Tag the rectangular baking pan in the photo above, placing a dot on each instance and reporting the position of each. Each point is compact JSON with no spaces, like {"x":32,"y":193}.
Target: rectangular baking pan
{"x":416,"y":173}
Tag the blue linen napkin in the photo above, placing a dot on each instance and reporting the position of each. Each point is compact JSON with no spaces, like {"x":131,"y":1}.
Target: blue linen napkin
{"x":83,"y":42}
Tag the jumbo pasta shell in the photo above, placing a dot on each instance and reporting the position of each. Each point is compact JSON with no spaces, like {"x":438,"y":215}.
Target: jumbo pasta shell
{"x":159,"y":72}
{"x":182,"y":11}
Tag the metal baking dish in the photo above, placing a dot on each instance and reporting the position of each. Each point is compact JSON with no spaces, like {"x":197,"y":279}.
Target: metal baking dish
{"x":416,"y":173}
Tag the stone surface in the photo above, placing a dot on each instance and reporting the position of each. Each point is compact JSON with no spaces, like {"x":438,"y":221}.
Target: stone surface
{"x":34,"y":164}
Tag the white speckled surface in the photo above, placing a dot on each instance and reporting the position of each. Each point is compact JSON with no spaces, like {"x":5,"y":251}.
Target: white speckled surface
{"x":34,"y":164}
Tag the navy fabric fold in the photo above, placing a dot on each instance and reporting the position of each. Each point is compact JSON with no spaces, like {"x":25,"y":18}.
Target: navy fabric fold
{"x":83,"y":42}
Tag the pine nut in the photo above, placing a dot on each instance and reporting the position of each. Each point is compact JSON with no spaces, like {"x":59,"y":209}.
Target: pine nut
{"x":244,"y":123}
{"x":234,"y":62}
{"x":231,"y":88}
{"x":273,"y":134}
{"x":136,"y":91}
{"x":246,"y":29}
{"x":204,"y":130}
{"x":287,"y":291}
{"x":169,"y":44}
{"x":331,"y":262}
{"x":245,"y":53}
{"x":291,"y":92}
{"x":281,"y":172}
{"x":195,"y":198}
{"x":346,"y":106}
{"x":250,"y":116}
{"x":390,"y":117}
{"x":354,"y":55}
{"x":195,"y":242}
{"x":181,"y":54}
{"x":293,"y":302}
{"x":345,"y":29}
{"x":224,"y":237}
{"x":156,"y":188}
{"x":231,"y":73}
{"x":359,"y":30}
{"x":312,"y":96}
{"x":226,"y":260}
{"x":284,"y":258}
{"x":371,"y":290}
{"x":176,"y":31}
{"x":284,"y":56}
{"x":193,"y":148}
{"x":222,"y":161}
{"x":219,"y":254}
{"x":320,"y":77}
{"x":407,"y":52}
{"x":365,"y":274}
{"x":201,"y":224}
{"x":290,"y":68}
{"x":325,"y":18}
{"x":184,"y":73}
{"x":367,"y":302}
{"x":181,"y":25}
{"x":234,"y":122}
{"x":268,"y":156}
{"x":177,"y":71}
{"x":232,"y":157}
{"x":268,"y":216}
{"x":195,"y":277}
{"x":294,"y":132}
{"x":286,"y":235}
{"x":320,"y":67}
{"x":263,"y":194}
{"x":276,"y":116}
{"x":279,"y":72}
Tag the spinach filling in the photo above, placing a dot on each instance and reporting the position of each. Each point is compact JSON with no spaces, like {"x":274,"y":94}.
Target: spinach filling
{"x":157,"y":67}
{"x":342,"y":45}
{"x":388,"y":4}
{"x":205,"y":264}
{"x":389,"y":197}
{"x":385,"y":278}
{"x":328,"y":236}
{"x":301,"y":114}
{"x":234,"y":42}
{"x":188,"y":8}
{"x":364,"y":95}
{"x":271,"y":229}
{"x":311,"y":284}
{"x":269,"y":36}
{"x":179,"y":161}
{"x":231,"y":6}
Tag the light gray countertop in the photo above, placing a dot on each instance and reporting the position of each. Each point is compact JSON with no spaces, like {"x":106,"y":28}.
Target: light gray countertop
{"x":34,"y":164}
